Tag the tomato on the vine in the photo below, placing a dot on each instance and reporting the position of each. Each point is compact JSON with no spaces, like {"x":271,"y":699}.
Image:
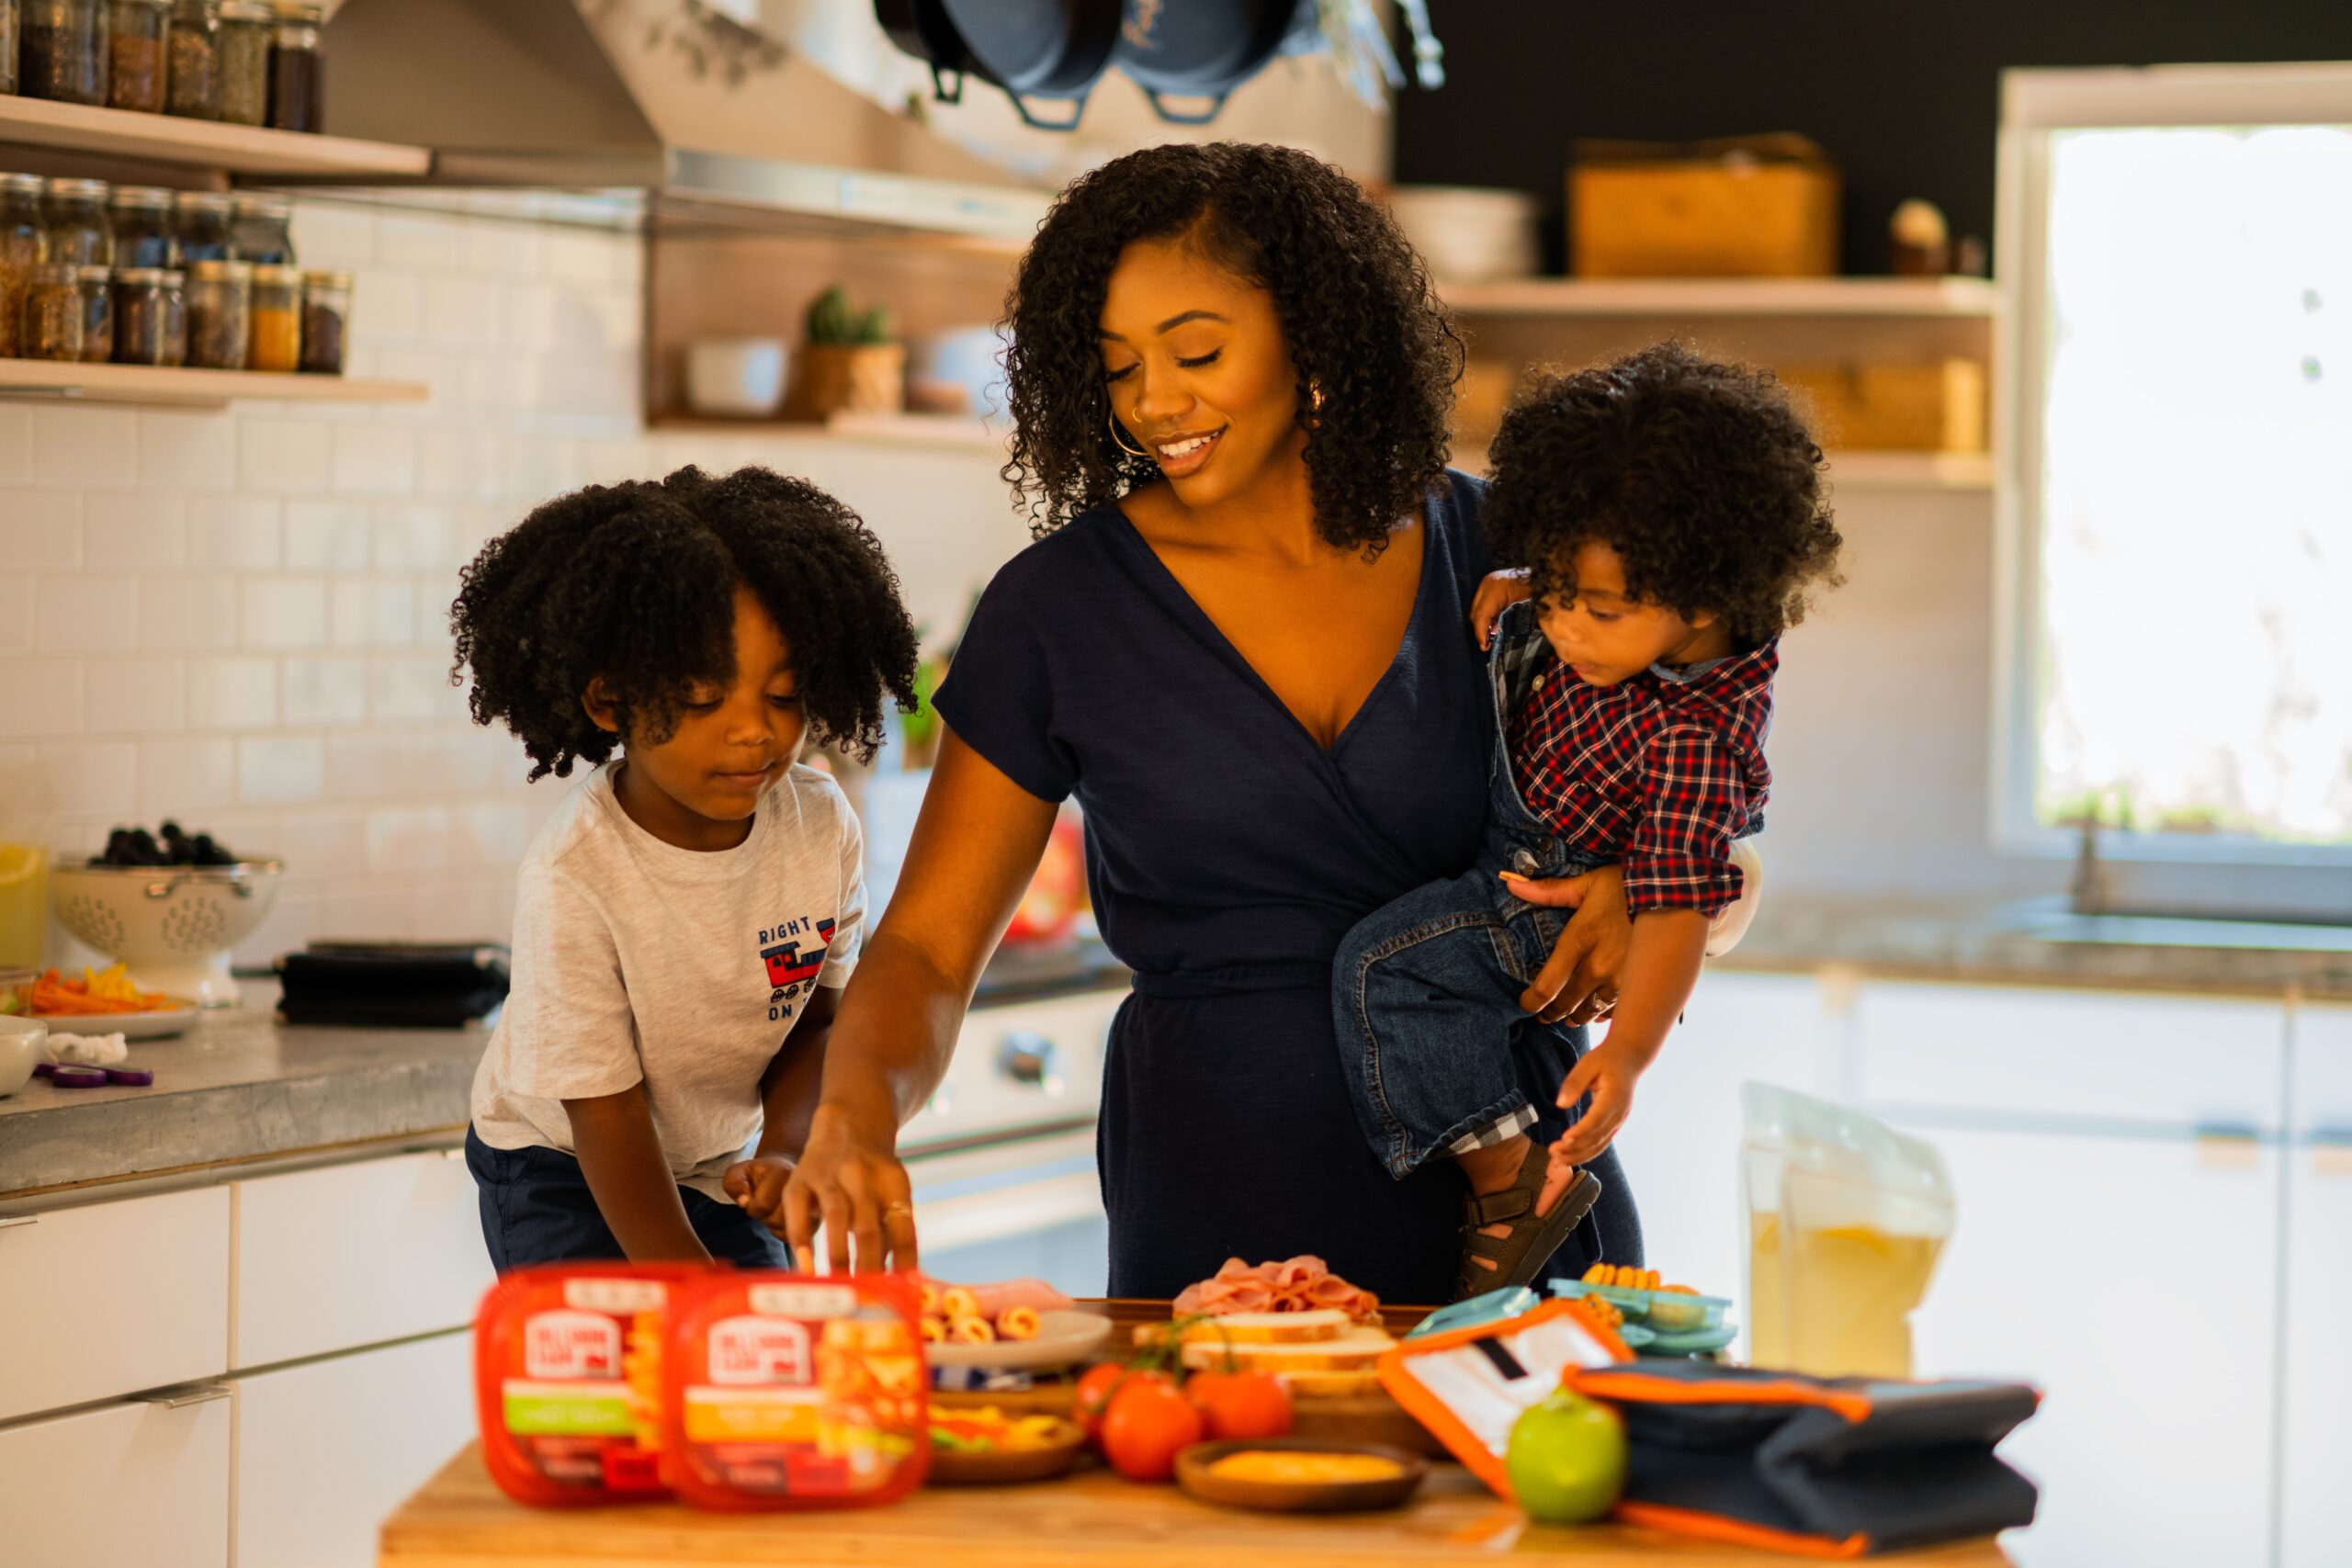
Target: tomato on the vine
{"x":1148,"y":1421}
{"x":1096,"y":1386}
{"x":1241,"y":1405}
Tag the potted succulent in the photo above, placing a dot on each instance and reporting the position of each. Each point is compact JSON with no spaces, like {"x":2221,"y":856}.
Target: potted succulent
{"x":852,"y":362}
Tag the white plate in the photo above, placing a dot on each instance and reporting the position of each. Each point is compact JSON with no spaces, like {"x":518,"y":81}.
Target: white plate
{"x":1064,"y":1339}
{"x":129,"y":1025}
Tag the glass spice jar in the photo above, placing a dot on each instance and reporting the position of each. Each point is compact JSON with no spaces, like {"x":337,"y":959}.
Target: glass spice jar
{"x":192,"y":55}
{"x":200,"y":220}
{"x":150,"y":316}
{"x":297,"y":70}
{"x":135,"y":55}
{"x":326,"y":318}
{"x":50,"y":327}
{"x":143,"y":234}
{"x":24,"y":246}
{"x":246,"y":28}
{"x":261,"y":231}
{"x":8,"y":69}
{"x":220,"y":314}
{"x":95,"y":287}
{"x":276,"y":340}
{"x":79,"y":230}
{"x":61,"y":53}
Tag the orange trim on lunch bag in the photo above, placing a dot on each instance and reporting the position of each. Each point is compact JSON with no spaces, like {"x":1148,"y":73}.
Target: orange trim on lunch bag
{"x":1644,"y":1387}
{"x":1714,"y":1526}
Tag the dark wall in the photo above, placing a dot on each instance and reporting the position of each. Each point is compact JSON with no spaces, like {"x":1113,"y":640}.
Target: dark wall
{"x":1904,"y":95}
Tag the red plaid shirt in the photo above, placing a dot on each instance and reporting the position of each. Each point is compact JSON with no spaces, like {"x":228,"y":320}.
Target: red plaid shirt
{"x":1657,"y":773}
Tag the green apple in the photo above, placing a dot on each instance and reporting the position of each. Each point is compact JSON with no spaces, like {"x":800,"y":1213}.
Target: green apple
{"x":1566,"y":1458}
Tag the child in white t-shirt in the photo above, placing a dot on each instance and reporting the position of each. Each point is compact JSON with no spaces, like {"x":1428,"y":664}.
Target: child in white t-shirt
{"x":686,"y":920}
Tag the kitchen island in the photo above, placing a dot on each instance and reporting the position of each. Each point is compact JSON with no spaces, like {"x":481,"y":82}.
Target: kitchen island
{"x":461,"y":1520}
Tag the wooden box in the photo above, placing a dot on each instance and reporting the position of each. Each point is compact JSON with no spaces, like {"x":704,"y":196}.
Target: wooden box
{"x":1750,"y":207}
{"x":1934,"y":406}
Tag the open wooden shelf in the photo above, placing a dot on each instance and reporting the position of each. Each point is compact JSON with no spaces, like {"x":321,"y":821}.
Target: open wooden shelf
{"x":201,"y":143}
{"x":956,"y":431}
{"x":201,"y":389}
{"x":1694,"y":297}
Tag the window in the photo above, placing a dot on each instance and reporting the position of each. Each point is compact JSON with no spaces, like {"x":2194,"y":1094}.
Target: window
{"x":2180,"y":628}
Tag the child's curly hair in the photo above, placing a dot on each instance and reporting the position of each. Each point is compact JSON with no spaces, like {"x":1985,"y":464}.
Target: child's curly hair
{"x":1699,"y":474}
{"x":636,"y":582}
{"x":1354,"y":301}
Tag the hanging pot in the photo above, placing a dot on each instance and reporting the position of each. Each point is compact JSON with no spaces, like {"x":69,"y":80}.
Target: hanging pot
{"x":1199,"y":49}
{"x":1040,"y":48}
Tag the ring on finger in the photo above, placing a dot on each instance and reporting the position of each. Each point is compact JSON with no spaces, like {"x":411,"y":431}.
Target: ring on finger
{"x":898,"y":1209}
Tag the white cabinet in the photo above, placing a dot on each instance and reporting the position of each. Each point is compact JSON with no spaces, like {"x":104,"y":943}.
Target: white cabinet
{"x":358,"y":1254}
{"x":326,"y":1450}
{"x":132,"y":1485}
{"x":1681,"y":1147}
{"x":2315,"y":1523}
{"x":112,"y":1298}
{"x":2132,"y":1278}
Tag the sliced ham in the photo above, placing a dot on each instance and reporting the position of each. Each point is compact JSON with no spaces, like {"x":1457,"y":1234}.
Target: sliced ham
{"x":1304,"y":1283}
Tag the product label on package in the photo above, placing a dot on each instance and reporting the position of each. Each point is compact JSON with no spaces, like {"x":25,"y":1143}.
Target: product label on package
{"x":759,"y":1350}
{"x":571,"y":1344}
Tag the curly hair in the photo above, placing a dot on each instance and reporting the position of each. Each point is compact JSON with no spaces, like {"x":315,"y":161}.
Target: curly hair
{"x":636,"y":582}
{"x":1700,"y":475}
{"x":1354,"y":300}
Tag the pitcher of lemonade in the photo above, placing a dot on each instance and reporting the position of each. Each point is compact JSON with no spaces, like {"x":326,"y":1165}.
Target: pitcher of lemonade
{"x":25,"y":829}
{"x":1846,"y":1218}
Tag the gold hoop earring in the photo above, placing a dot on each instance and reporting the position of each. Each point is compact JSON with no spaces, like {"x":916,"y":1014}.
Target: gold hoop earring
{"x":1112,"y":418}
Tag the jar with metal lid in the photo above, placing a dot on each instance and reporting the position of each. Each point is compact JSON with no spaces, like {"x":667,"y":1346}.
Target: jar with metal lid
{"x":24,"y":246}
{"x":297,"y":70}
{"x":200,"y":219}
{"x":192,"y":55}
{"x":261,"y":231}
{"x":150,"y":316}
{"x":220,"y":314}
{"x":79,"y":230}
{"x":97,"y":288}
{"x":135,"y":54}
{"x":326,"y":318}
{"x":246,"y":28}
{"x":143,"y":234}
{"x":276,"y":340}
{"x":61,"y":51}
{"x":50,"y":327}
{"x":9,"y":64}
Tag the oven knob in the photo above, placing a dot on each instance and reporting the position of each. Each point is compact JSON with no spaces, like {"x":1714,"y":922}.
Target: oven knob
{"x":1030,"y":1058}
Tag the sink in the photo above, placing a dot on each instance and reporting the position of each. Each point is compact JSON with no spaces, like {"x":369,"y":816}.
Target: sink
{"x":2052,"y":919}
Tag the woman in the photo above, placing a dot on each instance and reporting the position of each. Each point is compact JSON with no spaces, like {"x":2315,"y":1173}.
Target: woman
{"x":1244,"y":643}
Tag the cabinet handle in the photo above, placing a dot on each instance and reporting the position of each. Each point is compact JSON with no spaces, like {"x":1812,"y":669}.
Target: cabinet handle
{"x":181,"y":1398}
{"x":16,"y":1222}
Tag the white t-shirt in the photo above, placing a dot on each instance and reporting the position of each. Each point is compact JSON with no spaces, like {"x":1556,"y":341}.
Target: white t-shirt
{"x":635,"y":959}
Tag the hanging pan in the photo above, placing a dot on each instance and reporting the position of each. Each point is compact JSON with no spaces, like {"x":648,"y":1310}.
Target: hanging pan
{"x":1031,"y":48}
{"x":1199,"y":49}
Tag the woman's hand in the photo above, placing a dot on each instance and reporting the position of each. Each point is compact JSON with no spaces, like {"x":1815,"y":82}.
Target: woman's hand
{"x":1578,"y":982}
{"x":850,"y":1181}
{"x":1609,"y":1078}
{"x":1497,"y":591}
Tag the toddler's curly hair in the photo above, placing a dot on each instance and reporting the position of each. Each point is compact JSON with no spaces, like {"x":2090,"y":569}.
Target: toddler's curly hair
{"x":1700,"y":474}
{"x":636,"y":582}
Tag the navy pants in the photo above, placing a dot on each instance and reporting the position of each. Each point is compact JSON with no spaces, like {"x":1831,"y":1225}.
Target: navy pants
{"x":535,"y":1208}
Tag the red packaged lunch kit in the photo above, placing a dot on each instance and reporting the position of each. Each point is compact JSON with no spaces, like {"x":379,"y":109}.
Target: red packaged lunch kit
{"x":567,"y":1380}
{"x":786,"y":1391}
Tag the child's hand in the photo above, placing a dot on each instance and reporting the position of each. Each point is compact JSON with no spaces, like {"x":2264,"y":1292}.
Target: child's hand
{"x":1609,"y":1080}
{"x":757,"y":1187}
{"x":1497,"y":591}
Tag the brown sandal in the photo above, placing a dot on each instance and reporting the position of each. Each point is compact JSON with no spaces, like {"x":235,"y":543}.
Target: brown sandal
{"x":1534,"y":1237}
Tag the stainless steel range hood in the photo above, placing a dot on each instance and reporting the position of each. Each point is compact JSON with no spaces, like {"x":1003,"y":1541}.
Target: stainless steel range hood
{"x":711,"y":121}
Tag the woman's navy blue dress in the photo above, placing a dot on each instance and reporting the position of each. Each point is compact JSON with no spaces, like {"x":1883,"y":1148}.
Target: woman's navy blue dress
{"x":1228,"y":853}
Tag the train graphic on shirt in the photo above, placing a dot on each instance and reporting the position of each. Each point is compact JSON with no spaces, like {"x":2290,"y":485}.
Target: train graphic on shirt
{"x":793,"y":952}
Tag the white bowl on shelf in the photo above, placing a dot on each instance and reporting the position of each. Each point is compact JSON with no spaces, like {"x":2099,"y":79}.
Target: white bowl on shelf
{"x":735,"y":377}
{"x":173,"y":926}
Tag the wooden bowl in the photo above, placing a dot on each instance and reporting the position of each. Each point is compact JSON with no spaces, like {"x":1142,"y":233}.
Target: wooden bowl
{"x":950,"y":1467}
{"x":1194,"y":1475}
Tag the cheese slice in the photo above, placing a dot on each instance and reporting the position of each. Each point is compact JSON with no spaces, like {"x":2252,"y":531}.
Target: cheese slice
{"x":1268,"y":1327}
{"x":1328,"y":1385}
{"x":1353,"y":1351}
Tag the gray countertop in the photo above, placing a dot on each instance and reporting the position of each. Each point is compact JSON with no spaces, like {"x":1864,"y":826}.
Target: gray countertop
{"x":239,"y":1087}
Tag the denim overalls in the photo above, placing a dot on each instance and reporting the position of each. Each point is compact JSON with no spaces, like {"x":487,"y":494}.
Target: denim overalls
{"x":1425,"y":991}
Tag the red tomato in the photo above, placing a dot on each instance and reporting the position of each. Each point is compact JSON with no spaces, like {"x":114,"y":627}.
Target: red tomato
{"x":1241,"y":1405}
{"x":1148,"y":1420}
{"x":1095,"y":1388}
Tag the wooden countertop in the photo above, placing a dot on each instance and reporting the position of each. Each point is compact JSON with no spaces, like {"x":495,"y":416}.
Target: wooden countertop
{"x":461,"y":1520}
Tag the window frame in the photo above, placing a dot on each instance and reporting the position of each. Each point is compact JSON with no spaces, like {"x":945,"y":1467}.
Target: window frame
{"x":2034,"y":104}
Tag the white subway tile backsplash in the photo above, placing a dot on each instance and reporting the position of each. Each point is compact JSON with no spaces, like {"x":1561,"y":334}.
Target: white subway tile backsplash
{"x":187,"y":775}
{"x":372,"y":614}
{"x":187,"y":451}
{"x":326,"y":535}
{"x":583,"y":257}
{"x":327,"y":691}
{"x":460,"y":313}
{"x":16,"y":615}
{"x":327,"y":234}
{"x":293,"y":922}
{"x":408,"y":839}
{"x":527,"y":317}
{"x":414,"y":538}
{"x":237,"y":692}
{"x":282,"y":454}
{"x":15,"y":445}
{"x":280,"y":770}
{"x":392,"y":310}
{"x":375,"y":459}
{"x":234,"y":533}
{"x":506,"y":250}
{"x":413,"y":689}
{"x":134,"y":531}
{"x":41,"y":696}
{"x":40,"y":528}
{"x":92,"y":778}
{"x":323,"y":842}
{"x":134,"y":696}
{"x":84,"y":447}
{"x":187,"y":611}
{"x":283,"y":611}
{"x":421,"y":241}
{"x":85,"y":615}
{"x":453,"y":911}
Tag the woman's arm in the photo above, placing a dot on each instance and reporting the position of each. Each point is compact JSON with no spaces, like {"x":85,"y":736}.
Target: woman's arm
{"x":976,"y":845}
{"x":620,"y":1153}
